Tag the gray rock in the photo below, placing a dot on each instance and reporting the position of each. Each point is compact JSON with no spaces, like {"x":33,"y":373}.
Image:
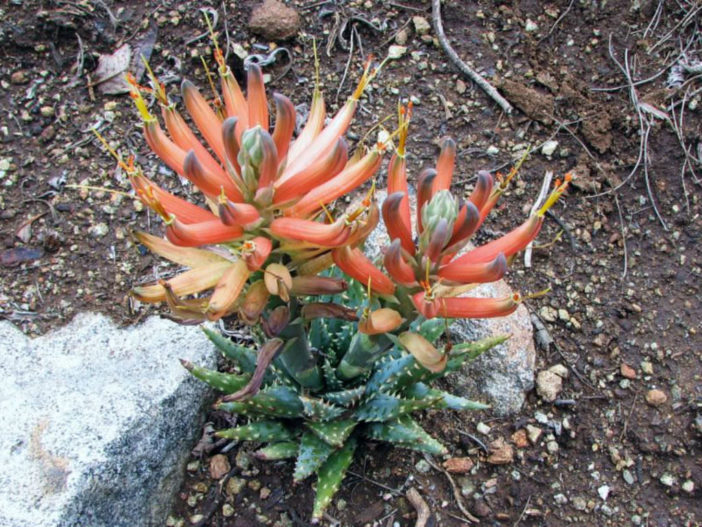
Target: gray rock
{"x":97,"y":421}
{"x":502,"y":376}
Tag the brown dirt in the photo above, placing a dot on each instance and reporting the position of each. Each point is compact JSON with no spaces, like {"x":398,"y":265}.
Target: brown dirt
{"x":78,"y":257}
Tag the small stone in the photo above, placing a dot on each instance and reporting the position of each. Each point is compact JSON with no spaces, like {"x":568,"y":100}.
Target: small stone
{"x":501,"y":453}
{"x":548,"y":385}
{"x":401,"y":37}
{"x":549,"y":147}
{"x":667,"y":479}
{"x":234,"y":486}
{"x":492,"y":150}
{"x":458,"y":465}
{"x":254,"y":485}
{"x":563,"y":315}
{"x":519,"y":438}
{"x":242,"y":460}
{"x":560,"y":370}
{"x":273,"y":20}
{"x":603,"y":491}
{"x":264,"y":493}
{"x":647,"y":367}
{"x":552,"y":447}
{"x":483,"y":428}
{"x":688,"y":486}
{"x":560,"y":499}
{"x":422,"y":466}
{"x":395,"y":52}
{"x":628,"y":477}
{"x":421,"y":26}
{"x":99,"y":230}
{"x":541,"y":417}
{"x":219,"y":466}
{"x":534,"y":433}
{"x":47,"y":111}
{"x":19,"y":77}
{"x":656,"y":397}
{"x":227,"y":510}
{"x":548,"y":313}
{"x":193,"y":466}
{"x":461,"y":86}
{"x":530,"y":26}
{"x":627,"y":371}
{"x":196,"y":518}
{"x":579,"y":503}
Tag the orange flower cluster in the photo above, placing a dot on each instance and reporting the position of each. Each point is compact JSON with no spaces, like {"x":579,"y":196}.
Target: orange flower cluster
{"x":429,"y":270}
{"x":264,"y":191}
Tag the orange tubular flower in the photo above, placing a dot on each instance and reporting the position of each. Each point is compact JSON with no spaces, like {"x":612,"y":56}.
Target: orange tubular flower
{"x":204,"y":233}
{"x":355,"y":264}
{"x":322,"y":234}
{"x":255,"y":252}
{"x":398,"y":225}
{"x":444,"y":165}
{"x":396,"y":265}
{"x":466,"y":273}
{"x":383,"y":320}
{"x":479,"y":307}
{"x":227,"y":290}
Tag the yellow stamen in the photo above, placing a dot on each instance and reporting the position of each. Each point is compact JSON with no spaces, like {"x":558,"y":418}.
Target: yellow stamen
{"x":555,"y":195}
{"x":124,"y":166}
{"x":138,"y":99}
{"x":158,"y":87}
{"x":217,"y":101}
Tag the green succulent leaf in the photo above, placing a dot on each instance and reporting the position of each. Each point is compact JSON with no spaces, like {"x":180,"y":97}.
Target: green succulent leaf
{"x":468,"y":351}
{"x":276,"y":401}
{"x":258,"y":431}
{"x":244,"y":357}
{"x":405,"y":432}
{"x":330,"y":475}
{"x":331,"y":381}
{"x":384,"y":407}
{"x":347,"y":397}
{"x":313,"y":452}
{"x":432,"y":329}
{"x":277,"y":451}
{"x":319,"y":410}
{"x":334,"y":433}
{"x":224,"y":382}
{"x":446,"y":400}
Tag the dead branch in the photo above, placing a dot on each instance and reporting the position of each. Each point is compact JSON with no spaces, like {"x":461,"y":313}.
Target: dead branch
{"x":420,"y":506}
{"x":465,"y":69}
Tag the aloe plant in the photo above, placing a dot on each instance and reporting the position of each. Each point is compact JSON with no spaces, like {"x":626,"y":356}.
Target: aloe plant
{"x":319,"y":424}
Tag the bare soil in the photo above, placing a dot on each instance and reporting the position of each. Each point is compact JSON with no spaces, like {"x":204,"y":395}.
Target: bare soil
{"x":625,"y":283}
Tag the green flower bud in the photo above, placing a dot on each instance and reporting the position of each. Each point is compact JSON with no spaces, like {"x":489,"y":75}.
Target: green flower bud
{"x":442,"y":206}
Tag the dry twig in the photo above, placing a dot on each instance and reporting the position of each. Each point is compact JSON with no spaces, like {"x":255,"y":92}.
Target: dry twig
{"x":423,"y":512}
{"x":468,"y":517}
{"x":467,"y":70}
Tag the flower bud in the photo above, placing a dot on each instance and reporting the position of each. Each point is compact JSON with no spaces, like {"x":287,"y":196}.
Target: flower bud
{"x":443,"y":206}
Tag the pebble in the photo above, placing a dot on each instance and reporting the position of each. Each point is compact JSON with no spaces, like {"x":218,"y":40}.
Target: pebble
{"x":422,"y":466}
{"x":47,"y":111}
{"x":689,"y":486}
{"x":656,"y":397}
{"x":647,"y":367}
{"x":667,"y":479}
{"x":483,"y":428}
{"x":193,"y":466}
{"x":534,"y":433}
{"x":234,"y":486}
{"x":421,"y":26}
{"x":492,"y":150}
{"x":19,"y":77}
{"x":458,"y":465}
{"x":552,"y":447}
{"x":227,"y":510}
{"x":196,"y":518}
{"x":548,"y":385}
{"x":560,"y":499}
{"x":395,"y":52}
{"x":548,"y":313}
{"x":264,"y":493}
{"x":501,"y":453}
{"x":519,"y":438}
{"x":99,"y":230}
{"x":628,"y":477}
{"x":579,"y":503}
{"x":219,"y":466}
{"x":563,"y":315}
{"x":549,"y":147}
{"x":603,"y":491}
{"x":627,"y":371}
{"x":242,"y":460}
{"x":254,"y":485}
{"x":461,"y":86}
{"x":530,"y":26}
{"x":401,"y":37}
{"x":541,"y":417}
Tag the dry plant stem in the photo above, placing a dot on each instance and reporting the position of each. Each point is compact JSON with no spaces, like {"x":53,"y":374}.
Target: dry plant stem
{"x":467,"y":70}
{"x":420,"y":506}
{"x":469,"y":518}
{"x":545,"y":185}
{"x":558,"y":21}
{"x":628,"y":417}
{"x":526,"y":505}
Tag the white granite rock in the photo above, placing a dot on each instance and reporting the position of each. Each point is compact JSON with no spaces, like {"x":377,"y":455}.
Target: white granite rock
{"x":97,"y":421}
{"x":502,"y":376}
